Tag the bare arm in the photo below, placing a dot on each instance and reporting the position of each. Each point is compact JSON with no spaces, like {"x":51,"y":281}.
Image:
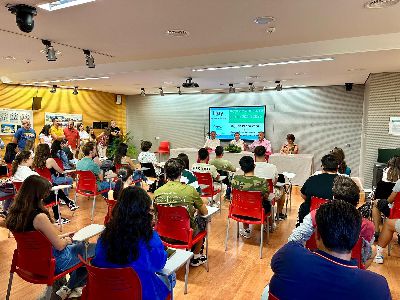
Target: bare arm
{"x":51,"y":163}
{"x":303,"y":196}
{"x":43,"y":224}
{"x":392,"y":197}
{"x":203,"y":210}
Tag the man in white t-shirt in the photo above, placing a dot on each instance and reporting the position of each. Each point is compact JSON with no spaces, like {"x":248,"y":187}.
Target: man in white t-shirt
{"x":266,"y":170}
{"x":203,"y":166}
{"x":212,"y":142}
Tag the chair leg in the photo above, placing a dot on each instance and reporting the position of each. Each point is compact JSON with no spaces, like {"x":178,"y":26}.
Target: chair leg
{"x":220,"y":200}
{"x":207,"y":251}
{"x":226,"y":236}
{"x":186,"y":277}
{"x":10,"y":280}
{"x":94,"y":204}
{"x":389,"y":247}
{"x":237,"y":230}
{"x":262,"y":239}
{"x":49,"y":291}
{"x":268,"y":223}
{"x":59,"y":217}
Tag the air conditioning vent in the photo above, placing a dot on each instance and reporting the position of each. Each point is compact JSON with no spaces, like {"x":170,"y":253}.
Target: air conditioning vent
{"x":380,"y":3}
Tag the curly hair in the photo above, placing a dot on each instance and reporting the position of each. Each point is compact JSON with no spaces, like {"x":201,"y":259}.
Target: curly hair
{"x":28,"y":201}
{"x":42,"y":153}
{"x":393,"y":173}
{"x":19,"y":158}
{"x":130,"y":223}
{"x":145,"y":146}
{"x":174,"y":167}
{"x":339,"y":155}
{"x":121,"y":152}
{"x":10,"y":152}
{"x":344,"y":188}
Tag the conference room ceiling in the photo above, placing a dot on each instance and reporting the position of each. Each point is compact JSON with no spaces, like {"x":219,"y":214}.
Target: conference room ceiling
{"x":139,"y":53}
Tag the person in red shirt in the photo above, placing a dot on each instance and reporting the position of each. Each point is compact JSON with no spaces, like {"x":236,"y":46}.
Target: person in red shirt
{"x":72,"y":135}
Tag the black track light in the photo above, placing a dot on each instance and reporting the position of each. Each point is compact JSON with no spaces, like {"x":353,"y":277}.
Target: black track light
{"x":349,"y":86}
{"x":278,"y":86}
{"x":161,"y":91}
{"x":89,"y":59}
{"x":251,"y":87}
{"x":179,"y":90}
{"x":142,"y":92}
{"x":53,"y":89}
{"x":231,"y":88}
{"x":49,"y":50}
{"x":75,"y":92}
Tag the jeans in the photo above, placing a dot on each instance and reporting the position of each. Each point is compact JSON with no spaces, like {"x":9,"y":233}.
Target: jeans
{"x":60,"y":180}
{"x":68,"y":257}
{"x":6,"y":203}
{"x":102,"y":185}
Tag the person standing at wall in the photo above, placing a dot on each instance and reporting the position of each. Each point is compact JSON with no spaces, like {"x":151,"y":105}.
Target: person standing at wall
{"x":24,"y":134}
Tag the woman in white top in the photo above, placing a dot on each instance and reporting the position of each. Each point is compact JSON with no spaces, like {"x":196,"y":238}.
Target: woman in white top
{"x":146,"y":157}
{"x":83,"y":134}
{"x":45,"y":136}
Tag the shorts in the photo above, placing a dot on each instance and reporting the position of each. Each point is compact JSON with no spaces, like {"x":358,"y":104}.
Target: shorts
{"x":397,"y":226}
{"x":201,"y":225}
{"x":383,"y":206}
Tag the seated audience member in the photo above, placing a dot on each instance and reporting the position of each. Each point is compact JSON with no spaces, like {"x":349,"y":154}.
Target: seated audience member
{"x":29,"y":146}
{"x":21,"y":169}
{"x":103,"y":142}
{"x":83,"y":134}
{"x":223,"y":166}
{"x":266,"y":170}
{"x":212,"y":142}
{"x":11,"y":152}
{"x":92,"y":135}
{"x":237,"y":141}
{"x":147,"y":157}
{"x":386,"y":192}
{"x":250,"y":182}
{"x":318,"y":185}
{"x":124,"y":180}
{"x":87,"y":163}
{"x":187,"y":176}
{"x":261,"y":141}
{"x":202,"y":166}
{"x":121,"y":157}
{"x":28,"y":214}
{"x":130,"y":241}
{"x":344,"y":188}
{"x":389,"y":227}
{"x":290,"y":147}
{"x":45,"y":136}
{"x":329,"y":273}
{"x":339,"y":154}
{"x":44,"y":160}
{"x":175,"y":193}
{"x":57,"y":151}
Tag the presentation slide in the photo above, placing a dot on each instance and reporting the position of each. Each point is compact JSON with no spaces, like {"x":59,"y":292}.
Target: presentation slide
{"x":247,"y":120}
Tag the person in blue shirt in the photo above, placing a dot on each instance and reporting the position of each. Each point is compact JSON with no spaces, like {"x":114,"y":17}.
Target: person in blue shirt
{"x":328,"y":273}
{"x":24,"y":134}
{"x":129,"y":241}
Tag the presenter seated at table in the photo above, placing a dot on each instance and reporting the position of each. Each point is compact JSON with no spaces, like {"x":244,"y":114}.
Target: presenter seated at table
{"x":261,"y":141}
{"x":175,"y":193}
{"x":249,"y":182}
{"x":237,"y":141}
{"x":130,"y":241}
{"x":290,"y":147}
{"x":212,"y":142}
{"x":202,"y":166}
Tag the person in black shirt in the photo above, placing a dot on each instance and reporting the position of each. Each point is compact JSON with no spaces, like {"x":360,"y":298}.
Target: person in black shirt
{"x":318,"y":185}
{"x":115,"y":132}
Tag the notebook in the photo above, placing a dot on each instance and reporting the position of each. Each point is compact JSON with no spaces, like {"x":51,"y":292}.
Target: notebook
{"x":87,"y":232}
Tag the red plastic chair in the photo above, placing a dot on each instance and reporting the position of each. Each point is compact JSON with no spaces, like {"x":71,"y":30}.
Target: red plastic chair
{"x":246,"y":207}
{"x":9,"y":167}
{"x":163,"y":148}
{"x":209,"y":191}
{"x":117,"y":167}
{"x":173,"y":222}
{"x":44,"y":172}
{"x":111,"y":283}
{"x":272,"y":297}
{"x":86,"y":185}
{"x":110,"y":207}
{"x":356,"y":253}
{"x":316,"y":202}
{"x":59,"y":163}
{"x":33,"y":261}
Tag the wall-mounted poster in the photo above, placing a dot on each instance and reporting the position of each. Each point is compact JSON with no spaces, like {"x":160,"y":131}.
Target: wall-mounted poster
{"x":64,"y":118}
{"x":10,"y":120}
{"x":394,"y":125}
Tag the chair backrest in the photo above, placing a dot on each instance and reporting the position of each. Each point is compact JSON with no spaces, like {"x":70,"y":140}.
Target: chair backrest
{"x":33,"y":259}
{"x":44,"y":172}
{"x":205,"y":179}
{"x":356,"y":253}
{"x":395,"y":210}
{"x":111,"y":283}
{"x":173,"y":222}
{"x":86,"y":181}
{"x":247,"y":204}
{"x":117,"y":167}
{"x":316,"y":202}
{"x":110,"y":206}
{"x":17,"y":185}
{"x":151,"y":172}
{"x":272,"y":297}
{"x":59,"y":163}
{"x":9,"y":167}
{"x":164,"y":146}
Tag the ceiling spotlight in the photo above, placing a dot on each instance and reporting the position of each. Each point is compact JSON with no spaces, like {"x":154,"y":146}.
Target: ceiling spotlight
{"x":161,"y":91}
{"x":190,"y":84}
{"x":53,"y":89}
{"x":24,"y":16}
{"x":50,"y":52}
{"x":179,"y":90}
{"x":349,"y":86}
{"x":142,"y":92}
{"x":75,"y":92}
{"x":89,"y":59}
{"x":231,"y":88}
{"x":278,"y":86}
{"x":251,"y":87}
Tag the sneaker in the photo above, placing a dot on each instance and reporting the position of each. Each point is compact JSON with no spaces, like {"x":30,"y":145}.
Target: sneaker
{"x":282,"y":216}
{"x":64,"y":292}
{"x":378,"y":259}
{"x":62,"y":202}
{"x":72,"y":206}
{"x":271,"y":227}
{"x":195,"y":262}
{"x":246,"y":233}
{"x":3,"y":214}
{"x":76,"y":292}
{"x":64,"y":221}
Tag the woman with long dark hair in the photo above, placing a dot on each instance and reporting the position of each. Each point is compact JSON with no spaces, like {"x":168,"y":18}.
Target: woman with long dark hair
{"x":11,"y":151}
{"x":339,"y":154}
{"x":28,"y":214}
{"x":121,"y":156}
{"x":57,"y":151}
{"x":129,"y":240}
{"x":45,"y":136}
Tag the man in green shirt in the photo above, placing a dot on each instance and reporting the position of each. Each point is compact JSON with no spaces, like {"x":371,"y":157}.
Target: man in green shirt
{"x":249,"y":182}
{"x":175,"y":193}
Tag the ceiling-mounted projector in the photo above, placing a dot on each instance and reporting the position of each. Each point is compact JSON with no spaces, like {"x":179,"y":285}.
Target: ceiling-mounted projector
{"x":189,"y":83}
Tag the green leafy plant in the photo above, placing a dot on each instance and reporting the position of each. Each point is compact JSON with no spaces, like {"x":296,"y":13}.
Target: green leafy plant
{"x":233,"y":149}
{"x":124,"y":138}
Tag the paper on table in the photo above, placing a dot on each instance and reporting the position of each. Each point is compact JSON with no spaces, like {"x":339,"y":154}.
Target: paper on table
{"x":289,"y":175}
{"x":88,"y":232}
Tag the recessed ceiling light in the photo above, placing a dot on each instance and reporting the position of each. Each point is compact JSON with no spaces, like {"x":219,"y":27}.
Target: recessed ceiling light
{"x":380,"y":3}
{"x":299,"y":73}
{"x":58,"y":52}
{"x":264,"y":20}
{"x":51,"y":6}
{"x":271,"y":29}
{"x":177,"y":32}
